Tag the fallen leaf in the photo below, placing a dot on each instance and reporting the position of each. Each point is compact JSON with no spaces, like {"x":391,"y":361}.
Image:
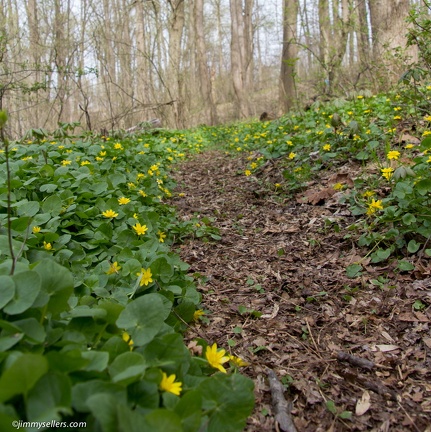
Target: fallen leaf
{"x":387,"y":336}
{"x":407,"y":138}
{"x":421,"y":317}
{"x":386,"y":348}
{"x":363,"y":404}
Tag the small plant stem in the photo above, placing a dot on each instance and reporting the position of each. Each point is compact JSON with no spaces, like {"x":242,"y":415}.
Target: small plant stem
{"x":9,"y":208}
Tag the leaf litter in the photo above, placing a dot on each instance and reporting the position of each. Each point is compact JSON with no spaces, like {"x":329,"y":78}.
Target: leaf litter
{"x":277,"y":295}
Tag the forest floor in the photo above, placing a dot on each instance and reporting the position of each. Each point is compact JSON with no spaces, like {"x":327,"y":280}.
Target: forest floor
{"x":338,"y":345}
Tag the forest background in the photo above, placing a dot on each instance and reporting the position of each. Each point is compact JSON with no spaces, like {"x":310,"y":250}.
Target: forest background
{"x":116,"y":63}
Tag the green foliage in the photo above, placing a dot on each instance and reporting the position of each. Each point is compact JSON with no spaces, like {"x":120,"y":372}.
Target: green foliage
{"x":391,"y":194}
{"x":92,"y":299}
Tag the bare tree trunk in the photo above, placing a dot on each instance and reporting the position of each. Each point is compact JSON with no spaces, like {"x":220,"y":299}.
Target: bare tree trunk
{"x":324,"y":29}
{"x":142,"y":64}
{"x":388,"y":24}
{"x":34,"y":45}
{"x":176,"y":28}
{"x":364,"y":33}
{"x":60,"y":59}
{"x":289,"y":56}
{"x":204,"y":78}
{"x":239,"y":57}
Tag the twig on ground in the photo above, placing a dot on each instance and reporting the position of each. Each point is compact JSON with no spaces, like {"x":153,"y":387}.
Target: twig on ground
{"x":355,"y":361}
{"x":282,"y":407}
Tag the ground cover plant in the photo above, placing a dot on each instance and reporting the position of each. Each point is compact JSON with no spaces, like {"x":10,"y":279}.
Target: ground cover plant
{"x":324,"y":218}
{"x":93,"y":301}
{"x":389,"y":193}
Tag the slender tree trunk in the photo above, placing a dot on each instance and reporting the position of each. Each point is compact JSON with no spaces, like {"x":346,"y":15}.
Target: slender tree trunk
{"x":142,"y":85}
{"x":364,"y":33}
{"x":203,"y":74}
{"x":287,"y":95}
{"x":324,"y":30}
{"x":239,"y":57}
{"x":176,"y":28}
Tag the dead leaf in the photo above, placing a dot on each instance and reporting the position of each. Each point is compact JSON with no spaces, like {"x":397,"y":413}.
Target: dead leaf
{"x":316,"y":197}
{"x":410,"y":139}
{"x":363,"y":404}
{"x":341,"y":178}
{"x":421,"y":317}
{"x":387,"y":336}
{"x":427,"y":341}
{"x":386,"y":348}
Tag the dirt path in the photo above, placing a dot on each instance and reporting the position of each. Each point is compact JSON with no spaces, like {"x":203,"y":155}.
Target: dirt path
{"x":287,"y":261}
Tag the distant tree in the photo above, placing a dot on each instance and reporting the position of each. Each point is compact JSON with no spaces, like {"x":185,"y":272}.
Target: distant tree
{"x":289,"y":55}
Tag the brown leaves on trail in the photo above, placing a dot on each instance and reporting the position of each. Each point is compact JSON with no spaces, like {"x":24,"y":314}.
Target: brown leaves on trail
{"x":283,"y":260}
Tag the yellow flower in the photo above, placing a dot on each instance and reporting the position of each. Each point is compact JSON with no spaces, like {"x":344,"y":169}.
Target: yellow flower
{"x":114,"y":268}
{"x":142,"y":193}
{"x":397,"y":117}
{"x":387,"y":172}
{"x":123,"y":200}
{"x":140,"y":229}
{"x":393,"y":154}
{"x":429,"y":160}
{"x":146,"y":276}
{"x":128,"y":339}
{"x":237,"y":361}
{"x":373,"y":206}
{"x":102,"y":153}
{"x":168,"y":384}
{"x":118,"y":146}
{"x":360,"y":97}
{"x":247,"y":172}
{"x":83,"y":163}
{"x":327,"y":147}
{"x":292,"y":155}
{"x":99,"y":159}
{"x":162,"y":236}
{"x":66,"y":162}
{"x":216,"y":358}
{"x":197,"y":314}
{"x":131,"y":185}
{"x":47,"y":246}
{"x":426,"y":133}
{"x":427,"y":118}
{"x":397,"y":109}
{"x":110,"y":214}
{"x":277,"y":185}
{"x":181,"y":194}
{"x":36,"y":229}
{"x":289,"y":143}
{"x":338,"y":186}
{"x":409,"y":146}
{"x":135,"y":216}
{"x":368,"y":194}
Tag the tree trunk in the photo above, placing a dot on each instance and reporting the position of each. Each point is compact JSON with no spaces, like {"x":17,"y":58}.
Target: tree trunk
{"x":287,"y":95}
{"x":239,"y":57}
{"x":388,"y":24}
{"x":364,"y":33}
{"x":176,"y":28}
{"x":203,"y":72}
